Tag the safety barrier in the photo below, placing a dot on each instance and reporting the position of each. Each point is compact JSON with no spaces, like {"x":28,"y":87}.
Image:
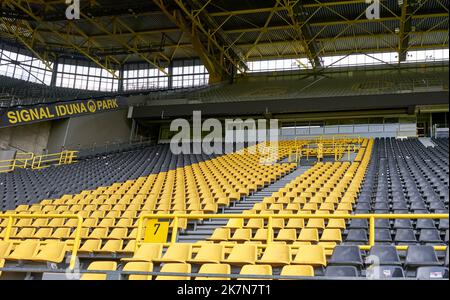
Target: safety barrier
{"x":77,"y":240}
{"x":269,"y":218}
{"x":22,"y":161}
{"x":30,"y":160}
{"x":335,"y":148}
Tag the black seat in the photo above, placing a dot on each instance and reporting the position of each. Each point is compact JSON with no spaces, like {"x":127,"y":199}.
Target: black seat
{"x":384,"y":272}
{"x":421,"y":256}
{"x":402,"y":224}
{"x":383,"y":236}
{"x":425,"y":224}
{"x":359,"y":224}
{"x":383,"y":255}
{"x":405,"y":236}
{"x":430,"y":236}
{"x":432,"y":273}
{"x":357,"y":235}
{"x":346,"y":255}
{"x":341,"y":271}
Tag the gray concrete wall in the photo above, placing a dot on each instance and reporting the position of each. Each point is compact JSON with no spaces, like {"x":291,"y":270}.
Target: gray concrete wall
{"x":28,"y":138}
{"x":86,"y":131}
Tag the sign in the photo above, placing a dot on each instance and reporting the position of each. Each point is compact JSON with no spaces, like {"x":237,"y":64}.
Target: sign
{"x":156,"y":232}
{"x":47,"y":112}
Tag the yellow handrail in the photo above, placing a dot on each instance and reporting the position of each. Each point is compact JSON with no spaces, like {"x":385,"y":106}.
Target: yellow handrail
{"x":77,"y":240}
{"x":370,"y":217}
{"x":37,"y":161}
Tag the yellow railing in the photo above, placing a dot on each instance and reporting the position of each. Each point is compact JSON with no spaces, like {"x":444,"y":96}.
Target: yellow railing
{"x":22,"y":161}
{"x":77,"y":241}
{"x":30,"y":160}
{"x":62,"y":158}
{"x":269,"y":218}
{"x":322,"y":149}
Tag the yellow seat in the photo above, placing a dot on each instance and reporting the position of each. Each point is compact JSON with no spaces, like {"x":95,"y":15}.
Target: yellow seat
{"x":297,"y":270}
{"x":111,"y":246}
{"x":99,"y":266}
{"x":235,"y":223}
{"x":242,"y":254}
{"x":313,"y":255}
{"x":336,"y":224}
{"x":209,"y":253}
{"x":24,"y":251}
{"x":316,"y":223}
{"x":255,"y":223}
{"x":146,"y":253}
{"x":139,"y":267}
{"x":51,"y":252}
{"x":276,"y":255}
{"x":118,"y":234}
{"x":242,"y":235}
{"x":214,"y":269}
{"x":176,"y":253}
{"x":2,"y":264}
{"x":331,"y":235}
{"x":90,"y":246}
{"x":287,"y":235}
{"x":175,"y":268}
{"x":261,"y":270}
{"x":308,"y":235}
{"x":220,"y":234}
{"x":295,"y":224}
{"x":261,"y":235}
{"x":5,"y":249}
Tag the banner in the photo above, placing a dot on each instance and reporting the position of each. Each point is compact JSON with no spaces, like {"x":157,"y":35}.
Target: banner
{"x":47,"y":112}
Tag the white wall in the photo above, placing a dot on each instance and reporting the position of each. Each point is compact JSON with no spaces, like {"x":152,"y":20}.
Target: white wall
{"x":28,"y":138}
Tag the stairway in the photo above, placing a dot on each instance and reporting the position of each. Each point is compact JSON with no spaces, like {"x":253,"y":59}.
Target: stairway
{"x":205,"y":229}
{"x":427,"y":142}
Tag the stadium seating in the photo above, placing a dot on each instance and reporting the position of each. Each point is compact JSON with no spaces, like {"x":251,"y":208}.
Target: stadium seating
{"x":300,"y":247}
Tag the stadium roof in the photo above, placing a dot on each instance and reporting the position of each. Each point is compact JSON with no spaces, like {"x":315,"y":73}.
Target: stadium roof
{"x":224,"y":34}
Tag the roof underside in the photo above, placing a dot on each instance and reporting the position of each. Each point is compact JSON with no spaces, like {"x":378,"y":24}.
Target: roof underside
{"x":112,"y":32}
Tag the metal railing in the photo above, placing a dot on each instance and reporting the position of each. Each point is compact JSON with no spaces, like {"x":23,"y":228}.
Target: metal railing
{"x":30,"y":160}
{"x":269,"y":218}
{"x":77,"y":240}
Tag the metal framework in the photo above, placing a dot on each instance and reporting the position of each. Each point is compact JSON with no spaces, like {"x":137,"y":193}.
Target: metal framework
{"x":223,"y":34}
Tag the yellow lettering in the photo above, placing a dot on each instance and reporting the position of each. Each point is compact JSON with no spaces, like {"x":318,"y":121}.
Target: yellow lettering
{"x":49,"y":113}
{"x":12,"y":117}
{"x":34,"y":114}
{"x":83,"y":108}
{"x":25,"y":116}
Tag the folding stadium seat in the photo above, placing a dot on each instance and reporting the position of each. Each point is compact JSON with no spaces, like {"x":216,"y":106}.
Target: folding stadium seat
{"x":357,"y":236}
{"x":242,"y":254}
{"x":316,"y":223}
{"x":403,"y":224}
{"x":147,"y":252}
{"x":235,"y":224}
{"x":255,"y":223}
{"x":51,"y":252}
{"x":421,"y":256}
{"x":430,"y":236}
{"x":384,"y":272}
{"x":242,"y":235}
{"x":425,"y":224}
{"x":383,"y":255}
{"x":383,"y":236}
{"x":341,"y":271}
{"x":90,"y":246}
{"x":309,"y":235}
{"x":346,"y":255}
{"x":180,"y":268}
{"x":214,"y":269}
{"x":24,"y":251}
{"x":331,"y":235}
{"x":99,"y":266}
{"x":286,"y":235}
{"x":295,"y":224}
{"x":298,"y":271}
{"x":220,"y":234}
{"x":258,"y":270}
{"x":405,"y":236}
{"x":5,"y":248}
{"x":276,"y":255}
{"x":111,"y":246}
{"x":139,"y":267}
{"x":358,"y":224}
{"x":336,"y":224}
{"x":430,"y":273}
{"x":209,"y":253}
{"x":176,"y":253}
{"x":313,"y":255}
